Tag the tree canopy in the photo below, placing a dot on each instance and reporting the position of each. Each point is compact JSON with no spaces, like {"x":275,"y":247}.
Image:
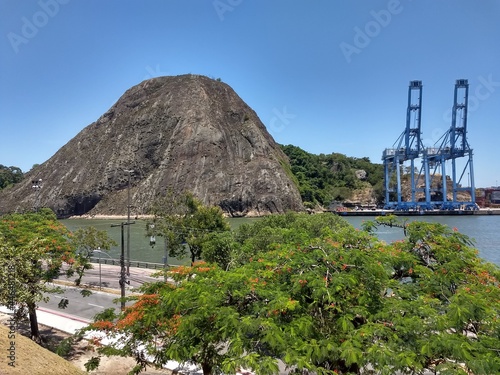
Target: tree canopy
{"x":9,"y":176}
{"x":325,"y":178}
{"x":185,"y":223}
{"x":85,"y":241}
{"x":330,"y":300}
{"x":34,"y":246}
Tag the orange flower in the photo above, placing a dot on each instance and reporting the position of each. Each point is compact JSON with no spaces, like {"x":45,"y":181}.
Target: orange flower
{"x":102,"y":325}
{"x":130,"y":319}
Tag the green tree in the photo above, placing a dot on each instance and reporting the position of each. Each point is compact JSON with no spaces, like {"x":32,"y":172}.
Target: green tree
{"x":184,"y":221}
{"x":222,"y":249}
{"x":444,"y":305}
{"x":33,"y":248}
{"x":9,"y":176}
{"x":331,"y":299}
{"x":85,"y":241}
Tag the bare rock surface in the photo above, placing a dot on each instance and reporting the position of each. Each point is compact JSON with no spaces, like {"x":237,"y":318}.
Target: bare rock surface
{"x":185,"y":132}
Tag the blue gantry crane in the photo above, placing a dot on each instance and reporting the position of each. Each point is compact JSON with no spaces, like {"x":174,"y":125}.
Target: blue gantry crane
{"x":407,"y":147}
{"x":426,"y":194}
{"x":452,"y":146}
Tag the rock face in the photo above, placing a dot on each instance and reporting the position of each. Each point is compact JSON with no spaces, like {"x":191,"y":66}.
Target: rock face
{"x":182,"y":133}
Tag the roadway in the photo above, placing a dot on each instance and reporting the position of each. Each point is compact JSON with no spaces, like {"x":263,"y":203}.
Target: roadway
{"x":82,"y":308}
{"x":85,"y":308}
{"x":108,"y":276}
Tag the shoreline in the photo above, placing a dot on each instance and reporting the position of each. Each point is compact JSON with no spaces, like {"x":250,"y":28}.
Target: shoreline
{"x":482,"y":211}
{"x":110,"y":217}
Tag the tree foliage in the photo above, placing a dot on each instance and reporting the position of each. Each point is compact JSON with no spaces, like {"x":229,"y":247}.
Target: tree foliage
{"x":323,"y":298}
{"x":85,"y":241}
{"x":185,"y":223}
{"x":9,"y":176}
{"x":33,"y":246}
{"x":324,"y":178}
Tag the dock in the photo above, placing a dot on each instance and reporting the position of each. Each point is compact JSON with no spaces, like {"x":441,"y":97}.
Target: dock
{"x":378,"y":212}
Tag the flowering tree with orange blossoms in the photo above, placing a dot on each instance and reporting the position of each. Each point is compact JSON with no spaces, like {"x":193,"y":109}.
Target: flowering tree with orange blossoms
{"x":33,"y":247}
{"x":336,"y":301}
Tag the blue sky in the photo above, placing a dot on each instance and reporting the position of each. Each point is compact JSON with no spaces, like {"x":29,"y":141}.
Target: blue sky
{"x":327,"y":76}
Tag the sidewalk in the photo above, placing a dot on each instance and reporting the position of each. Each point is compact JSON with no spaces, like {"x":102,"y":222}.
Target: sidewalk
{"x":55,"y":319}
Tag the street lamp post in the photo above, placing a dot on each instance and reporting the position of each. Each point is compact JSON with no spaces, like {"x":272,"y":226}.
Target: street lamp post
{"x":152,"y":243}
{"x":129,"y":171}
{"x":165,"y":258}
{"x":98,"y":251}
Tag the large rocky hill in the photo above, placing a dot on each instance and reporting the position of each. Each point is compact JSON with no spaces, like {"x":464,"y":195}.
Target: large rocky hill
{"x":182,"y":133}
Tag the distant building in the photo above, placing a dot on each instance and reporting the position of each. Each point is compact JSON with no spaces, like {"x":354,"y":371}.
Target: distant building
{"x":488,"y":197}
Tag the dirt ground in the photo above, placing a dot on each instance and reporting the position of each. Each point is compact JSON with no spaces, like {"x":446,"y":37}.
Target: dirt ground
{"x":81,"y":352}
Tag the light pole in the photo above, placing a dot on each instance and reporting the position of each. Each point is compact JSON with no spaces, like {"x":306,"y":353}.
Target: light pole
{"x":152,"y":243}
{"x":129,"y":171}
{"x":165,"y":258}
{"x":123,"y":278}
{"x":98,"y":251}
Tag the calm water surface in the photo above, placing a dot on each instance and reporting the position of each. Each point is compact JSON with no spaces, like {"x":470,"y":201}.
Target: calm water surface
{"x":485,"y":230}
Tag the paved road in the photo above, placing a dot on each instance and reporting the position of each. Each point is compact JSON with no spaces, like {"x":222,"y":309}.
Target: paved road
{"x":79,"y":306}
{"x":108,"y":277}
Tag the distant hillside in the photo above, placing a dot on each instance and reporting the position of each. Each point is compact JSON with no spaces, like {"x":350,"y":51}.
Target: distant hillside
{"x":179,"y":133}
{"x":335,"y":177}
{"x":321,"y":179}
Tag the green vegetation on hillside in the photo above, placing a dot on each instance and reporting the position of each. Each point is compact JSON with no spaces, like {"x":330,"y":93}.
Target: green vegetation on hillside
{"x":9,"y":176}
{"x":326,"y":178}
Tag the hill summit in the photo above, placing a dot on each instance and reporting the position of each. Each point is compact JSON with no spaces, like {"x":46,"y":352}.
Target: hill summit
{"x":176,"y":133}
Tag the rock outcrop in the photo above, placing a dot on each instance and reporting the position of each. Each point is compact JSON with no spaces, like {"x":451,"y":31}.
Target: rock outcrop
{"x":181,"y":133}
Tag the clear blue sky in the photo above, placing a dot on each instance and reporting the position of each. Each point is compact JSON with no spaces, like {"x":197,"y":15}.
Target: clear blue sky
{"x":327,"y":76}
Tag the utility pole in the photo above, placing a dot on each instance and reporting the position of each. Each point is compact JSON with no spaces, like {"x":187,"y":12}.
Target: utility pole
{"x":129,"y":171}
{"x":123,"y":277}
{"x":165,"y":258}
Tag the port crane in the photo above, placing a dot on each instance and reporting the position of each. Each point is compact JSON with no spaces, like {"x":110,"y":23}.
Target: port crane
{"x":407,"y":147}
{"x":453,"y":145}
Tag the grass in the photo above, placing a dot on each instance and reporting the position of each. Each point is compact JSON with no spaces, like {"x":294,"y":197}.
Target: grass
{"x":31,"y":358}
